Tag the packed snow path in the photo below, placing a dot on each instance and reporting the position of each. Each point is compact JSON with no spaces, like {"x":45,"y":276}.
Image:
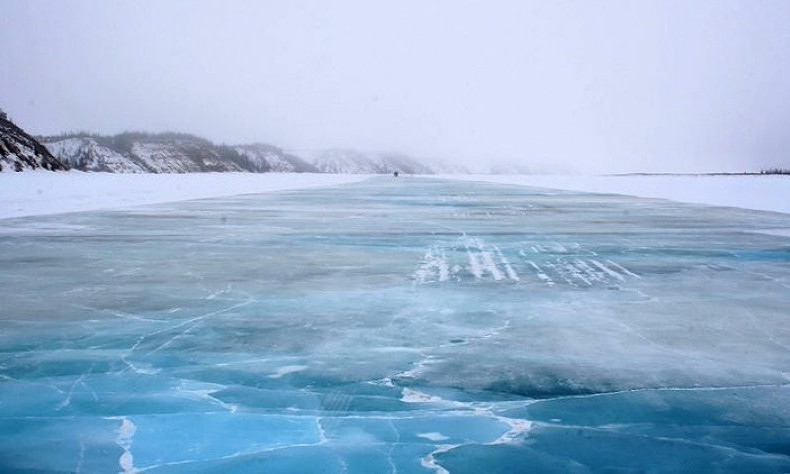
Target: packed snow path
{"x":397,"y":325}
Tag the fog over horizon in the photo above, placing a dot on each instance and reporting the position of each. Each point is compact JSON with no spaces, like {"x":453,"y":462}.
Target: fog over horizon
{"x":590,"y":87}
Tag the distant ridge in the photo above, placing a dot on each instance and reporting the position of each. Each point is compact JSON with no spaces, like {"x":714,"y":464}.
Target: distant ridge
{"x":138,"y":152}
{"x":765,"y":172}
{"x":262,"y":157}
{"x":353,"y":161}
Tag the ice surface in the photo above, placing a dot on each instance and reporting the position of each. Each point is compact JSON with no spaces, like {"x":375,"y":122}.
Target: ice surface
{"x":396,"y":325}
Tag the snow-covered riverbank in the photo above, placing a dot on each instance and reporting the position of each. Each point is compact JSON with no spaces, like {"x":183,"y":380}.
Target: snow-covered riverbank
{"x":759,"y":192}
{"x":38,"y":193}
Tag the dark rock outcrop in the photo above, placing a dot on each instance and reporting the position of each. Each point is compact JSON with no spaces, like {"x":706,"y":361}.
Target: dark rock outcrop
{"x":20,"y":151}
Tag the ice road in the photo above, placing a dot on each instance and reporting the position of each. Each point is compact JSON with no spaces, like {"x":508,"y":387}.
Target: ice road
{"x":397,"y":325}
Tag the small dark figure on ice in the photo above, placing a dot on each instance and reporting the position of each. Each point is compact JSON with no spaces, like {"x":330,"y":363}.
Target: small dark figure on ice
{"x":395,"y":174}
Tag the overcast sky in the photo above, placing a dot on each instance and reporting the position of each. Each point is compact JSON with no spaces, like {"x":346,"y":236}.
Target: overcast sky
{"x":595,"y":86}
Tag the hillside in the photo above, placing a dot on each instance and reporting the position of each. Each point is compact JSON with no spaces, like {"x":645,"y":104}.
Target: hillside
{"x":261,"y":157}
{"x":357,"y":162}
{"x":20,"y":151}
{"x":182,"y":153}
{"x":134,"y":152}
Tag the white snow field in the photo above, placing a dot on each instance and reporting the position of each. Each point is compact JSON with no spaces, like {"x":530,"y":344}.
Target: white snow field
{"x":407,"y":325}
{"x":758,"y":192}
{"x":38,"y":193}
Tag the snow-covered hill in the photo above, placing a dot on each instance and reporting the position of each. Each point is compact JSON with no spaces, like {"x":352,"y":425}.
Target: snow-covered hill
{"x":144,"y":153}
{"x":357,"y":162}
{"x":182,"y":153}
{"x":86,"y":154}
{"x":262,"y":157}
{"x":19,"y":151}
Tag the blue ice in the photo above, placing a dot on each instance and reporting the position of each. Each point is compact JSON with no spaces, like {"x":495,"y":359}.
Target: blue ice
{"x":409,"y":325}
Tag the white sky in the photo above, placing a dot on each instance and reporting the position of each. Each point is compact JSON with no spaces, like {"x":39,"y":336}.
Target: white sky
{"x":605,"y":86}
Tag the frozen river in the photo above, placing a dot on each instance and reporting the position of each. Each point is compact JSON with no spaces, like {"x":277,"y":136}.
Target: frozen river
{"x":408,"y":325}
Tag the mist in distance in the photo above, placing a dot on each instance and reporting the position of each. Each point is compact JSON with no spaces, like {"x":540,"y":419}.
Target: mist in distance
{"x":588,"y":87}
